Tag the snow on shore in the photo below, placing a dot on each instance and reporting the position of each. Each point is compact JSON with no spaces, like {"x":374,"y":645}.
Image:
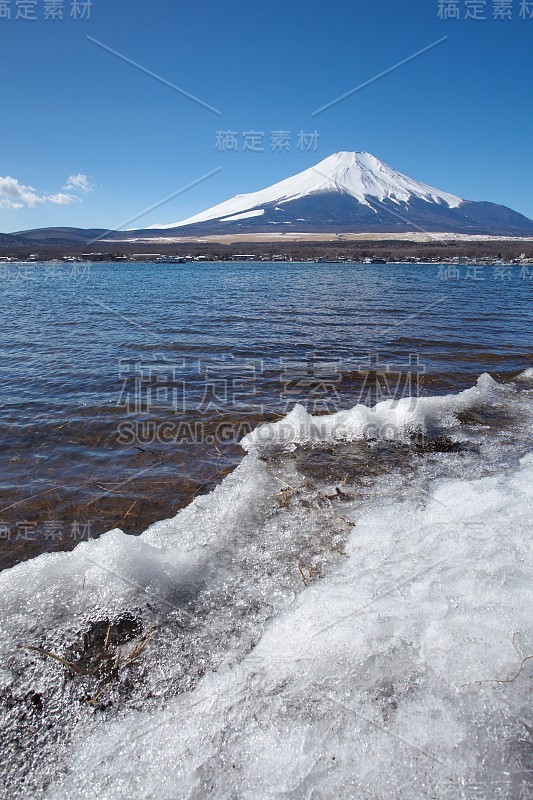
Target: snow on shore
{"x":323,"y":629}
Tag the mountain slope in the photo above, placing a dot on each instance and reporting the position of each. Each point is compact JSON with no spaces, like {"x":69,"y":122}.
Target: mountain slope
{"x":358,"y":175}
{"x":352,"y":192}
{"x":7,"y":239}
{"x":61,"y":236}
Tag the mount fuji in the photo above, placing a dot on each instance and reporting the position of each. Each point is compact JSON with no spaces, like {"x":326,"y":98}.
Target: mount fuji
{"x":351,"y":192}
{"x":345,"y":193}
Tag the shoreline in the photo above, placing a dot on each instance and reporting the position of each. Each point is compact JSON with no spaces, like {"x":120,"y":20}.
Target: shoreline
{"x":395,"y":250}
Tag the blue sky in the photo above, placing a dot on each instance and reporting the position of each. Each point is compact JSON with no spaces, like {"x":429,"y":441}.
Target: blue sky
{"x":458,"y":117}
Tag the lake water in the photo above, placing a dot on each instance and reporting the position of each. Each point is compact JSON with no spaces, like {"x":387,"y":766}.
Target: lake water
{"x":336,"y":601}
{"x":126,"y":388}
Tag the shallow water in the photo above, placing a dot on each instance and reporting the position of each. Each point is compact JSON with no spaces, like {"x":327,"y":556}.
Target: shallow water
{"x":126,"y":388}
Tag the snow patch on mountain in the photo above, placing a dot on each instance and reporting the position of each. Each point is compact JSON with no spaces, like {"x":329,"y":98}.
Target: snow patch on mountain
{"x":246,"y":215}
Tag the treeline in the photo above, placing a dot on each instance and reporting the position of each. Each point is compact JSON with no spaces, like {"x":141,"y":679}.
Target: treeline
{"x":389,"y":250}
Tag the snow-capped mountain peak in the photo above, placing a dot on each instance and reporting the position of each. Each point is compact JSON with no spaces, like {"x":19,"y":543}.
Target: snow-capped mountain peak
{"x":362,"y":175}
{"x":357,"y":174}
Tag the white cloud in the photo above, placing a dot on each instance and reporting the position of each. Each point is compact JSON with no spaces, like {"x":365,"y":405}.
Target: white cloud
{"x":79,"y":183}
{"x":61,"y":199}
{"x":15,"y":195}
